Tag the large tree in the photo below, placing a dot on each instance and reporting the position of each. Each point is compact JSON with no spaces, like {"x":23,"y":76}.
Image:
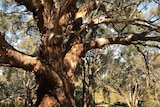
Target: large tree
{"x":63,"y":34}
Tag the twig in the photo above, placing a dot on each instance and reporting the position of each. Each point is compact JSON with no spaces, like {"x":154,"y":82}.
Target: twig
{"x":145,"y":58}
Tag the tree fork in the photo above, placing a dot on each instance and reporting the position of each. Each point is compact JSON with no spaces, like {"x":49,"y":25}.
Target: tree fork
{"x":51,"y":93}
{"x":56,"y":66}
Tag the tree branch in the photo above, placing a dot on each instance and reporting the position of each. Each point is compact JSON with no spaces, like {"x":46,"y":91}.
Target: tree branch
{"x":9,"y":55}
{"x":4,"y":61}
{"x":99,"y":43}
{"x":145,"y":59}
{"x":43,"y":12}
{"x":111,"y":20}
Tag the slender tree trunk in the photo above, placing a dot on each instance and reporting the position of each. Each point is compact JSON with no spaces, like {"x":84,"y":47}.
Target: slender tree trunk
{"x":84,"y":99}
{"x":90,"y":88}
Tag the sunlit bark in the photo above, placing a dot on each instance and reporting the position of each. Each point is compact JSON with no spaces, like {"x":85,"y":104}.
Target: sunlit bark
{"x":57,"y":64}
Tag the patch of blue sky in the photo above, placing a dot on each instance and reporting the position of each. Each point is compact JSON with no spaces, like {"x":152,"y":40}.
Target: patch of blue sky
{"x":17,"y":39}
{"x":27,"y":17}
{"x":1,"y":8}
{"x":1,"y":72}
{"x":20,"y":8}
{"x":148,"y":6}
{"x":145,"y":8}
{"x":12,"y":7}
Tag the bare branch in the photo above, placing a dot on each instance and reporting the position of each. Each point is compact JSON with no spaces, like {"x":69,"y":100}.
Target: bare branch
{"x":99,"y":43}
{"x":128,"y":21}
{"x":145,"y":44}
{"x":145,"y":58}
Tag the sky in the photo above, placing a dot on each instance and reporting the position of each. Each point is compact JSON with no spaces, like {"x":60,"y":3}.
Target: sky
{"x":1,"y":6}
{"x":149,"y":6}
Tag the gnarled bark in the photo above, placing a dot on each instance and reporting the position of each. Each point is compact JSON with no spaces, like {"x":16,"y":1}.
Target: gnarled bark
{"x":62,"y":47}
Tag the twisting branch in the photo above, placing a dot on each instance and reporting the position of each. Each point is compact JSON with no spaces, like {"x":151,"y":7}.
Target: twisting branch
{"x":62,"y":8}
{"x":129,"y":39}
{"x":107,"y":21}
{"x":9,"y":55}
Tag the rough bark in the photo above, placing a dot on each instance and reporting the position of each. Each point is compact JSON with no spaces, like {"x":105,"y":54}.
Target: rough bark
{"x":60,"y":57}
{"x":9,"y":55}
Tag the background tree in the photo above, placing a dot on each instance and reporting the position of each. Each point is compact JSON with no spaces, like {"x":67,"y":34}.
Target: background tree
{"x":17,"y":88}
{"x":63,"y":34}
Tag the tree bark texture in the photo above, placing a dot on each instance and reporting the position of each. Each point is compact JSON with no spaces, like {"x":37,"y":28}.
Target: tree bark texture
{"x":62,"y":47}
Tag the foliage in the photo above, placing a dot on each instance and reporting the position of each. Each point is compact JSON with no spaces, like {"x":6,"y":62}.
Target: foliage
{"x":15,"y":84}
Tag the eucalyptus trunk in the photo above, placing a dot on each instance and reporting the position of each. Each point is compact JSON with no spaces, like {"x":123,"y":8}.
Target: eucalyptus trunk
{"x":62,"y":46}
{"x":56,"y":84}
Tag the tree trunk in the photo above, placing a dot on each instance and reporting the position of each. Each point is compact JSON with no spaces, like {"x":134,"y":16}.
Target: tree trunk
{"x":56,"y":85}
{"x":90,"y":89}
{"x":62,"y":45}
{"x":53,"y":94}
{"x":60,"y":53}
{"x":84,"y":98}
